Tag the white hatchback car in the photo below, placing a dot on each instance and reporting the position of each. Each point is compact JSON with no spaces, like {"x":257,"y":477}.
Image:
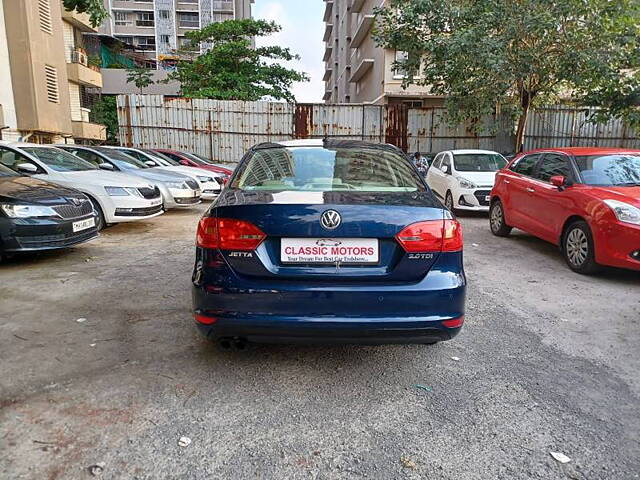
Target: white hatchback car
{"x":116,"y":197}
{"x":463,"y":179}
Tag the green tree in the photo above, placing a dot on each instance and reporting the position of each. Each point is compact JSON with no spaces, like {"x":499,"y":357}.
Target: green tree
{"x":511,"y":55}
{"x":94,"y":8}
{"x":230,"y":68}
{"x":140,"y":77}
{"x":105,"y":111}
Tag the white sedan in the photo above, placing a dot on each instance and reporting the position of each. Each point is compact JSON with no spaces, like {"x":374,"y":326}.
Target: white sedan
{"x":116,"y":197}
{"x":209,"y":186}
{"x":463,"y":179}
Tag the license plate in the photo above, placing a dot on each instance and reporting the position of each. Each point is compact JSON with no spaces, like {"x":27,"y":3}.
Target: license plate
{"x":156,"y":202}
{"x":83,"y":224}
{"x":329,"y":250}
{"x":487,"y":198}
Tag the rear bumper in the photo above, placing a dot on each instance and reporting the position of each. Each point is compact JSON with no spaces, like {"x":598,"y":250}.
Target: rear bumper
{"x":329,"y":331}
{"x":302,"y":311}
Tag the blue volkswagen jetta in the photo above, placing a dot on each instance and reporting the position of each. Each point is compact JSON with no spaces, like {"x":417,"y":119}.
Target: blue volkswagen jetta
{"x":328,"y":241}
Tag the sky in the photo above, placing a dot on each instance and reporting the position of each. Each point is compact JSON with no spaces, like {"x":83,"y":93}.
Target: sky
{"x":302,"y":30}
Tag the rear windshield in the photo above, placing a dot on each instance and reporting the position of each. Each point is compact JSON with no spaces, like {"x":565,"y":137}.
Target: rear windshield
{"x":478,"y":162}
{"x":618,"y":169}
{"x":59,"y":160}
{"x":321,"y":169}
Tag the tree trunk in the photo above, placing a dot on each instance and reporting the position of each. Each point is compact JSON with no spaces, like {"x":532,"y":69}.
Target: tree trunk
{"x":522,"y":121}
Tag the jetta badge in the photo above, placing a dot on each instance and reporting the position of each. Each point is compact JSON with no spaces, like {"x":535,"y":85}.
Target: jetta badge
{"x":330,"y":219}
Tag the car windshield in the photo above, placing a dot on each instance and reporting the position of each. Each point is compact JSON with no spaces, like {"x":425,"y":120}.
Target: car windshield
{"x":610,"y":170}
{"x":324,"y":169}
{"x":58,"y":159}
{"x":121,"y":159}
{"x":7,"y":172}
{"x":163,"y":159}
{"x":478,"y":162}
{"x":197,"y":159}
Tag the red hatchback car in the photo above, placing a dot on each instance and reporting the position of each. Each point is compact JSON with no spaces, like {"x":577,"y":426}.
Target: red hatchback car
{"x":193,"y":160}
{"x":586,"y":200}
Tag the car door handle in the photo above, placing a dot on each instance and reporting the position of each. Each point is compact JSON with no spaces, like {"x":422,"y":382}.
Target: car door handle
{"x":507,"y":181}
{"x":530,"y":189}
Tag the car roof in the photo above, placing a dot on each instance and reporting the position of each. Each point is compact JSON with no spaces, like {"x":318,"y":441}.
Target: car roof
{"x":25,"y":144}
{"x":580,"y":151}
{"x":327,"y":143}
{"x":463,"y":151}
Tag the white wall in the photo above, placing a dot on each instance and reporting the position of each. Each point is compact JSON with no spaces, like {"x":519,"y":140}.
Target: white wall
{"x":6,"y":92}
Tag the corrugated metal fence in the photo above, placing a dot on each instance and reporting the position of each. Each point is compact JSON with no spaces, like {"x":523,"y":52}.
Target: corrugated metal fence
{"x":224,"y":130}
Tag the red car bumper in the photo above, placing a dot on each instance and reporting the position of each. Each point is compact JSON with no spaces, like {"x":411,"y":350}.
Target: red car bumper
{"x":618,"y":245}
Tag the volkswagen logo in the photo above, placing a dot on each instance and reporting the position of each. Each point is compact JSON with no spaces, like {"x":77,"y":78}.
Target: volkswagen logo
{"x":330,"y":219}
{"x":76,"y":201}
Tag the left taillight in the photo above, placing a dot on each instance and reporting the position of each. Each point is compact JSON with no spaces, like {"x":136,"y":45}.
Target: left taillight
{"x":228,"y":234}
{"x":431,"y":236}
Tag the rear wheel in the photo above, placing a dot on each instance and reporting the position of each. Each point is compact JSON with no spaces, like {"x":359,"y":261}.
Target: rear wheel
{"x":100,"y":224}
{"x":496,"y":220}
{"x":448,"y":201}
{"x":578,"y":248}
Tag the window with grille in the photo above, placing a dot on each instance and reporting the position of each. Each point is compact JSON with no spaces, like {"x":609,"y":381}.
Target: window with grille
{"x":121,"y":18}
{"x":164,"y":39}
{"x":44,"y":13}
{"x":144,"y":19}
{"x":164,"y":14}
{"x":189,"y":20}
{"x":51,"y":81}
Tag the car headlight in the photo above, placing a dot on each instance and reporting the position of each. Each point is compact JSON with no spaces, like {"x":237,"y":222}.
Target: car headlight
{"x":180,"y":185}
{"x":204,"y":179}
{"x":464,"y":183}
{"x":28,"y":211}
{"x":624,"y":212}
{"x":122,"y":191}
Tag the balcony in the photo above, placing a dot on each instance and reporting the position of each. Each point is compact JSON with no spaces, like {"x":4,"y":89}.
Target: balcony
{"x":363,"y":67}
{"x":327,"y":53}
{"x":89,"y":130}
{"x":328,"y":10}
{"x":327,"y":95}
{"x":138,"y":5}
{"x":79,"y":71}
{"x":356,"y":5}
{"x":327,"y":74}
{"x":362,"y":30}
{"x":327,"y":31}
{"x":78,"y":20}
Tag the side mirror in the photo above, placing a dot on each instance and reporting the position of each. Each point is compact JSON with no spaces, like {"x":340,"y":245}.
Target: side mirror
{"x":558,"y":181}
{"x":28,"y":168}
{"x":185,"y":163}
{"x":150,"y":163}
{"x":445,"y":169}
{"x":105,"y":166}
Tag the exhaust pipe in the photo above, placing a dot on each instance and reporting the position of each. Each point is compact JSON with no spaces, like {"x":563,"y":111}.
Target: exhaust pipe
{"x":229,"y":344}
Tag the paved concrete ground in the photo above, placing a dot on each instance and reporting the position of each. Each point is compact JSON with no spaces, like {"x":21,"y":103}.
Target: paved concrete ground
{"x":548,"y":361}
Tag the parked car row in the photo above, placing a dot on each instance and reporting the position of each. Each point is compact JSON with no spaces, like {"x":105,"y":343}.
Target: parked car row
{"x":55,"y":196}
{"x":585,"y":200}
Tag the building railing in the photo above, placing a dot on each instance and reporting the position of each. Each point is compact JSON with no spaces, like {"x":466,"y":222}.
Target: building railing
{"x":145,"y":23}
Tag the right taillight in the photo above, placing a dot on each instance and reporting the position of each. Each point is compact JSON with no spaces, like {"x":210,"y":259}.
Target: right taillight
{"x":228,"y":234}
{"x":431,"y":236}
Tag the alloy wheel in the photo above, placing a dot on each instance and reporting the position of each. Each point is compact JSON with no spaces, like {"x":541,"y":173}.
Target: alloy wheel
{"x":496,"y":217}
{"x":577,"y":247}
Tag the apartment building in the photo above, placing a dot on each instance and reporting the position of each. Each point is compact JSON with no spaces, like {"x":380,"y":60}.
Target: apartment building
{"x":356,"y":70}
{"x":45,"y":74}
{"x":157,"y":28}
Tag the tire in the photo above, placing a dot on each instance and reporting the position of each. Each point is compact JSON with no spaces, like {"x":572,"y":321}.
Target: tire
{"x":578,"y":248}
{"x":496,"y":220}
{"x":100,"y":223}
{"x":448,"y":202}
